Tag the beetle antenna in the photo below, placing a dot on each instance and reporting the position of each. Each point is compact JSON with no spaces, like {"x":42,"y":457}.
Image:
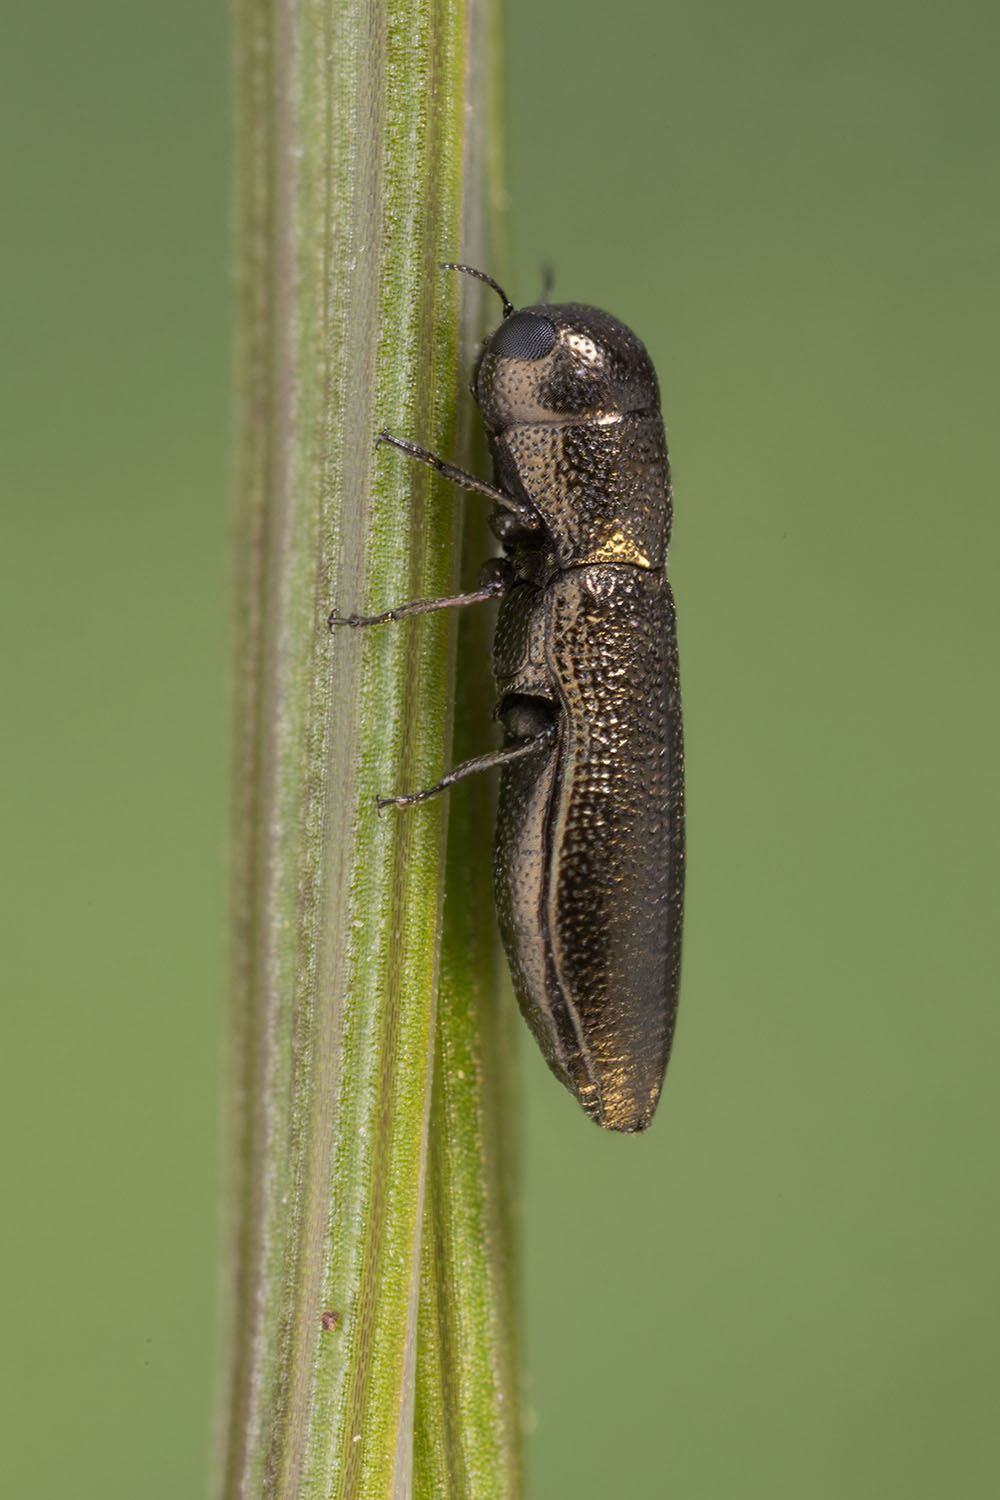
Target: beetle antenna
{"x":548,"y":282}
{"x":452,"y":265}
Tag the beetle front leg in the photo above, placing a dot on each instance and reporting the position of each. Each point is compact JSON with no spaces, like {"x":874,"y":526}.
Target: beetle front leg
{"x":486,"y":762}
{"x":525,"y":513}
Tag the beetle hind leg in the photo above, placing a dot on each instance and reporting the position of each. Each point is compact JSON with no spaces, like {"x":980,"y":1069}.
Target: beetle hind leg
{"x":486,"y":762}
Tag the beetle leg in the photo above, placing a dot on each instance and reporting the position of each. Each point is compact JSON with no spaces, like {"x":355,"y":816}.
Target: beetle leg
{"x":525,"y":513}
{"x":470,"y":767}
{"x":495,"y":579}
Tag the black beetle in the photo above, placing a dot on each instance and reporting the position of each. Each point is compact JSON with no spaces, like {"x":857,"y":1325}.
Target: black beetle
{"x":589,"y":854}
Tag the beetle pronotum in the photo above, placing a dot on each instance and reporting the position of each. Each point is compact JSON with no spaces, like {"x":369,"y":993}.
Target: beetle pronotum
{"x":589,"y":853}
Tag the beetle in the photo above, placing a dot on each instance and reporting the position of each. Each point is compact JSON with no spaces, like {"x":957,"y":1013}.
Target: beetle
{"x":589,"y":853}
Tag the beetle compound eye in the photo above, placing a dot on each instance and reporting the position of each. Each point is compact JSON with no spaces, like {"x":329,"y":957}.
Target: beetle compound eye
{"x":524,"y":335}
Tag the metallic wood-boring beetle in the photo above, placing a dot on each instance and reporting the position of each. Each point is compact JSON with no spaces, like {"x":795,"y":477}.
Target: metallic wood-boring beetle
{"x":589,"y":853}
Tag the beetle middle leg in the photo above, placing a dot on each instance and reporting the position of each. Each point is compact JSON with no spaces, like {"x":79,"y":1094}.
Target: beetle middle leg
{"x":495,"y":577}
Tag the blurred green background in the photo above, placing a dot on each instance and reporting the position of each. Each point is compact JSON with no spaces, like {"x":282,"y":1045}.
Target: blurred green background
{"x":788,"y":1288}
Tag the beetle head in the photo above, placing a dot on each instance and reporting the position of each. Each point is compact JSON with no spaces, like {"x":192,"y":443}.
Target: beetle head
{"x":562,"y":363}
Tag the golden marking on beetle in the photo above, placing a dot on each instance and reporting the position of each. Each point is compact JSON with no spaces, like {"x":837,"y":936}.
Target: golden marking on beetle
{"x":581,"y":345}
{"x":621,"y":548}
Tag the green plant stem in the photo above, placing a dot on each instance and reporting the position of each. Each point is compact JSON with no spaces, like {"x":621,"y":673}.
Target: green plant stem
{"x":369,"y":1269}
